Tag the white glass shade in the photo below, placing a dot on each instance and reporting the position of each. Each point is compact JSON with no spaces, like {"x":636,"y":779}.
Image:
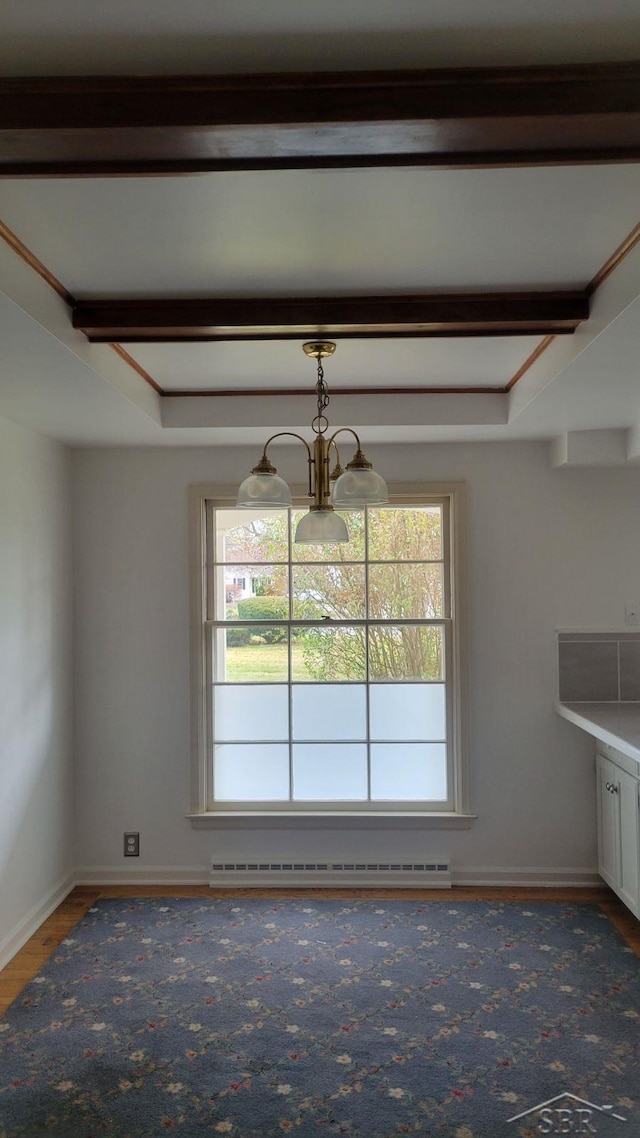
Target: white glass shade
{"x":319,"y":526}
{"x":359,"y":488}
{"x":263,"y":490}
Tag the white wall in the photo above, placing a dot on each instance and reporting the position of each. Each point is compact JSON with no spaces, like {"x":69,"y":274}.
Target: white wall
{"x":36,"y":791}
{"x":546,"y":549}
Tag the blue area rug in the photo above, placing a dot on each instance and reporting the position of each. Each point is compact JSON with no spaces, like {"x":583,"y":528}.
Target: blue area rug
{"x":370,"y":1018}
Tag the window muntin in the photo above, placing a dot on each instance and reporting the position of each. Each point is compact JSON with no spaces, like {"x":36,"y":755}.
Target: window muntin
{"x":351,"y":677}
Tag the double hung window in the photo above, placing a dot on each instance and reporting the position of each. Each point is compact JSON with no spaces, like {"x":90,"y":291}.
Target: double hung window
{"x":328,"y":677}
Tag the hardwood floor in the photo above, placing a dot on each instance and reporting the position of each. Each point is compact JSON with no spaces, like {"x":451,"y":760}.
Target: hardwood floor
{"x":30,"y":959}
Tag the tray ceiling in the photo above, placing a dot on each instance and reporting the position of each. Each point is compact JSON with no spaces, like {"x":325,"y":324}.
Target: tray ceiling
{"x":530,"y":197}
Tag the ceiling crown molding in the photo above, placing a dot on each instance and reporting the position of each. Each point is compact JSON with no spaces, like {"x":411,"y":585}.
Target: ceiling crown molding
{"x":455,"y":117}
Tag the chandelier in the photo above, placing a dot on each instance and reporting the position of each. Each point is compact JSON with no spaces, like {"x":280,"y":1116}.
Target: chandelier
{"x":356,"y":486}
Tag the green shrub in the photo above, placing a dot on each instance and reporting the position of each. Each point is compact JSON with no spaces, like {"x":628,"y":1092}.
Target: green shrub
{"x":237,"y":637}
{"x":263,"y":609}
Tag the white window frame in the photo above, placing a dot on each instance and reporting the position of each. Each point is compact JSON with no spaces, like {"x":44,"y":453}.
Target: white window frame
{"x":303,"y":814}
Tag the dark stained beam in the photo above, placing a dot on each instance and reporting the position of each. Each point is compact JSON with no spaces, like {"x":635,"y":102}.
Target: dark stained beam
{"x":454,"y":314}
{"x":462,"y":117}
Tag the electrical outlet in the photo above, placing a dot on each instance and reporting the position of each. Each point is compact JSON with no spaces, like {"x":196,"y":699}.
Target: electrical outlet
{"x":632,"y":614}
{"x":132,"y":845}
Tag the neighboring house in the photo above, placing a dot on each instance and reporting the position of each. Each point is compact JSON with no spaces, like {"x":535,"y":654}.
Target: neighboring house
{"x":239,"y":588}
{"x":240,"y":580}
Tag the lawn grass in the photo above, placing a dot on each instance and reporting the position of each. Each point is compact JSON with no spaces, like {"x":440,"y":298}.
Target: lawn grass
{"x":259,"y":662}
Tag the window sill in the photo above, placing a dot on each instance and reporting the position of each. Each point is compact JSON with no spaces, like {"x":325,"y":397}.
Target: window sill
{"x":330,"y":820}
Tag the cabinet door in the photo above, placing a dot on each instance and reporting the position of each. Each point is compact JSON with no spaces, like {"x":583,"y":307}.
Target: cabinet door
{"x":629,"y":855}
{"x":608,"y":822}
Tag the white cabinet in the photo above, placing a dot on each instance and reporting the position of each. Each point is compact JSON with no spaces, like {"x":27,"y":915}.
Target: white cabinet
{"x":618,"y":796}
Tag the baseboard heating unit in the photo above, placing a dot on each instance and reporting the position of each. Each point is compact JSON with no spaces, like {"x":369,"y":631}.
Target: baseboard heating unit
{"x":402,"y":875}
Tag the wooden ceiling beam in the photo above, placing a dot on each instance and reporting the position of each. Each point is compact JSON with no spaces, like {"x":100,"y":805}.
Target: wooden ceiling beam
{"x":452,"y":314}
{"x":447,"y":118}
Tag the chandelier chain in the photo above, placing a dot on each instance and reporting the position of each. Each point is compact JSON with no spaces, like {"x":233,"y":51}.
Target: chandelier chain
{"x":321,"y":389}
{"x":320,"y":422}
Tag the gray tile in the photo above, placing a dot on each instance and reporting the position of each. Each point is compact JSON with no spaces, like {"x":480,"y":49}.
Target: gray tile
{"x":588,"y":670}
{"x":630,"y":669}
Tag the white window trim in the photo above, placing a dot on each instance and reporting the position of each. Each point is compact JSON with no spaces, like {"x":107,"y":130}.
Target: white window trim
{"x":201,"y":818}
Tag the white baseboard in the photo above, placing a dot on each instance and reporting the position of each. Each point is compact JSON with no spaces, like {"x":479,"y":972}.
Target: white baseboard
{"x":30,"y":923}
{"x":542,"y":877}
{"x":460,"y":875}
{"x":142,"y":875}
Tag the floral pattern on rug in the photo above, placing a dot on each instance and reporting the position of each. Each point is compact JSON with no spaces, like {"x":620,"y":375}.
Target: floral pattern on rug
{"x":373,"y":1019}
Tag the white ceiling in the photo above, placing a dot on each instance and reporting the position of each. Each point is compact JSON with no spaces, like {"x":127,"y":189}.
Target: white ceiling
{"x":72,"y":37}
{"x":491,"y":360}
{"x":295,"y":232}
{"x":332,"y":232}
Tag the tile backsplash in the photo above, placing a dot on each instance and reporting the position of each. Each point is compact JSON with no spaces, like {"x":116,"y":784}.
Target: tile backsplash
{"x":629,"y":669}
{"x":599,"y":667}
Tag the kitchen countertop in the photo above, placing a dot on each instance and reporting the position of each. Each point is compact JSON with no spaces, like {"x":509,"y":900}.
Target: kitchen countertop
{"x":617,"y":724}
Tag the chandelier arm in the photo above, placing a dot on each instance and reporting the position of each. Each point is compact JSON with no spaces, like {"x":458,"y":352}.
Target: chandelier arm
{"x":293,"y":435}
{"x":332,"y":443}
{"x":339,"y":431}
